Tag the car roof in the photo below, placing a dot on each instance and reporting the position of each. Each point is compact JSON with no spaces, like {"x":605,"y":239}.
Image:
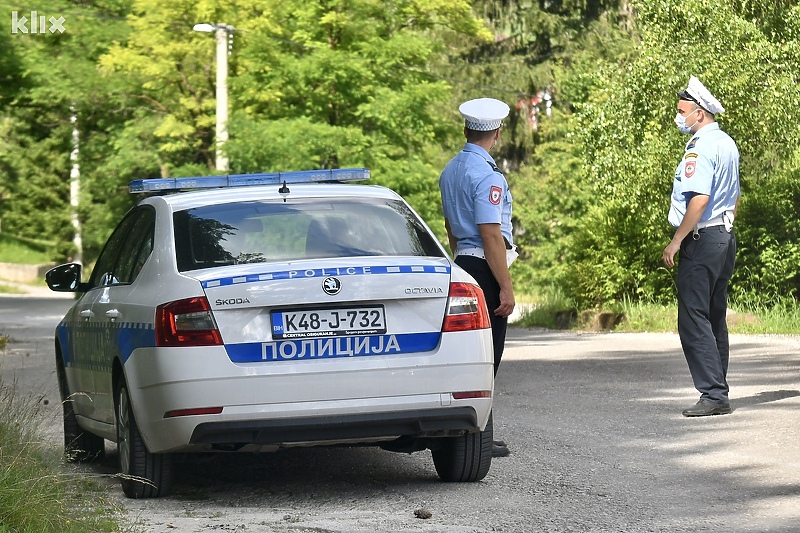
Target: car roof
{"x":191,"y":199}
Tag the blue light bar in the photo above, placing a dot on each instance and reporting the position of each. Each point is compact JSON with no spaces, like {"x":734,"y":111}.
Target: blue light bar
{"x":246,"y":180}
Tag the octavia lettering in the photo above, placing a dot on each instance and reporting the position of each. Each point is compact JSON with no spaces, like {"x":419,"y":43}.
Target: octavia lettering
{"x":424,"y":290}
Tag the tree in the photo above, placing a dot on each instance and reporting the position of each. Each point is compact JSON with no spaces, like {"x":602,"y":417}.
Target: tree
{"x":747,"y":55}
{"x":56,"y":73}
{"x":345,"y":83}
{"x":542,"y":63}
{"x":321,"y":84}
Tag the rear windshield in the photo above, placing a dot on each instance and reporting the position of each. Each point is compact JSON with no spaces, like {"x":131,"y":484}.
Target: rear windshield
{"x":260,"y":231}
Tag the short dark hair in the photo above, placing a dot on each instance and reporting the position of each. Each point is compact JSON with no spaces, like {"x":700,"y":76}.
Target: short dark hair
{"x":477,"y":135}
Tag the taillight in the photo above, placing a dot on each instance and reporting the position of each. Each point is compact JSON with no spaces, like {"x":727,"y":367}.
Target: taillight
{"x":186,"y":323}
{"x":466,"y":308}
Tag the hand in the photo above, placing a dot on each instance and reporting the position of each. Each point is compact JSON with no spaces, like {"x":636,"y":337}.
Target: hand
{"x":669,"y":253}
{"x":506,"y":303}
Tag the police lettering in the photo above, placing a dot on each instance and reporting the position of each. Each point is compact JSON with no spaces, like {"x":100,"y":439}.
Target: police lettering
{"x":329,"y":347}
{"x":325,"y":272}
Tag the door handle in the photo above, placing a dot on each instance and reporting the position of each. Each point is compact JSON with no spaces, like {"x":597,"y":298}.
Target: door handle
{"x":113,"y":314}
{"x":86,"y":313}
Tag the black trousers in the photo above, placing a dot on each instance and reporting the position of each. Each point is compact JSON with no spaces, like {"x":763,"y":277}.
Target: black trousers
{"x":479,"y":269}
{"x":705,"y":267}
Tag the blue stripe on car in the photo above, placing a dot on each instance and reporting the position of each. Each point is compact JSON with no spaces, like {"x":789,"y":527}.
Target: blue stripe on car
{"x":125,"y":337}
{"x":129,"y":336}
{"x":301,"y":273}
{"x":332,"y":347}
{"x":133,"y":335}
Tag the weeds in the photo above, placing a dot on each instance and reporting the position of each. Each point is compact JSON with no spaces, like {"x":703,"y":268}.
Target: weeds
{"x":780,"y":317}
{"x":644,"y":316}
{"x":550,"y":309}
{"x":36,"y":491}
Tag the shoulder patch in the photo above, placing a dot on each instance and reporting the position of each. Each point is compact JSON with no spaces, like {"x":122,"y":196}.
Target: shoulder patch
{"x":691,"y":144}
{"x":495,"y":195}
{"x":690,"y":155}
{"x":688,"y":170}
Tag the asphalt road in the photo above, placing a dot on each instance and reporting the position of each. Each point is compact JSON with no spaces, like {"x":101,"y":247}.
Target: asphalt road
{"x":593,"y":421}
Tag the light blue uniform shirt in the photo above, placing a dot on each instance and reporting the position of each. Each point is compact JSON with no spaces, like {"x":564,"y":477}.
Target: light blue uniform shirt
{"x":710,"y":166}
{"x":474,"y":192}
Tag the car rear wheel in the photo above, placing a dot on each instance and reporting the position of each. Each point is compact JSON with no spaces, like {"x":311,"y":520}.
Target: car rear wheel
{"x":465,"y":458}
{"x":143,"y":474}
{"x":79,"y":445}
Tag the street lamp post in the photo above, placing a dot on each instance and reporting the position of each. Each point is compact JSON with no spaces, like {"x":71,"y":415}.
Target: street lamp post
{"x":222,"y":32}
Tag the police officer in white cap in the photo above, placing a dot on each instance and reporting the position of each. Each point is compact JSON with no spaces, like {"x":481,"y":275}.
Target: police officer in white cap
{"x":705,"y":195}
{"x":477,"y":210}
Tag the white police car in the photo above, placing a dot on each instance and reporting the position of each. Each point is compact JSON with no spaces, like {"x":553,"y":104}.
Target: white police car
{"x":265,"y":311}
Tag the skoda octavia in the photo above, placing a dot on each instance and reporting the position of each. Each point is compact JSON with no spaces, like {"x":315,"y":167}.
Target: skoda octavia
{"x":267,"y":311}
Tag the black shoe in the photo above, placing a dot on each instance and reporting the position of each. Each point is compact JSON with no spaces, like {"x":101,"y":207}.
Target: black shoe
{"x":707,"y":408}
{"x":499,"y":451}
{"x":499,"y":443}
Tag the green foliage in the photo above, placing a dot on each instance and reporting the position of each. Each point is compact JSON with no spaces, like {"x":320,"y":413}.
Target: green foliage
{"x":59,"y":81}
{"x":631,"y":146}
{"x":768,"y":261}
{"x":377,"y":84}
{"x":343,"y":84}
{"x":553,"y":190}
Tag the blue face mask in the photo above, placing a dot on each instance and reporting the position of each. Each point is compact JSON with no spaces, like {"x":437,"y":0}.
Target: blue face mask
{"x":680,"y":121}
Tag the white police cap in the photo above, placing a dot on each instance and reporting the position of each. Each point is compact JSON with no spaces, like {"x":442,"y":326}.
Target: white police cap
{"x":483,"y":114}
{"x":697,"y":93}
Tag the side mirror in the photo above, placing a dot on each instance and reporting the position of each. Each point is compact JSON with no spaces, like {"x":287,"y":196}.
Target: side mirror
{"x":65,"y":278}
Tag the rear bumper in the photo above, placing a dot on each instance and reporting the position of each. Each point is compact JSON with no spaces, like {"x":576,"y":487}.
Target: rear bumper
{"x":344,"y":400}
{"x":417,"y":424}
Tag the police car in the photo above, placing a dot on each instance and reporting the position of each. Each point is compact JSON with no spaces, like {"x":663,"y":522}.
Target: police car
{"x":267,"y":311}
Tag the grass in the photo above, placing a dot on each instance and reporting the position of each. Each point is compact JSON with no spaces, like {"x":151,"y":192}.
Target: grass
{"x":37,"y":491}
{"x":9,"y":289}
{"x":549,"y":308}
{"x":24,"y":251}
{"x":780,"y":317}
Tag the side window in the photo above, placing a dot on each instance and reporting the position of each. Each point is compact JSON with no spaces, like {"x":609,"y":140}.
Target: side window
{"x":103,"y":273}
{"x":137,"y":247}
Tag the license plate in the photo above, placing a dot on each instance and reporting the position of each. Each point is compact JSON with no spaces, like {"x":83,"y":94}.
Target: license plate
{"x":330,"y":322}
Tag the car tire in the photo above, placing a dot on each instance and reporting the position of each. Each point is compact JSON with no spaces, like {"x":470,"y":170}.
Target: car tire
{"x":143,"y":474}
{"x":79,"y":446}
{"x":465,"y":458}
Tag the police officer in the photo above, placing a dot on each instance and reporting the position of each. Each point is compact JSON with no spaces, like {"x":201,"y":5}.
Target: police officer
{"x":477,"y":210}
{"x":705,"y":195}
